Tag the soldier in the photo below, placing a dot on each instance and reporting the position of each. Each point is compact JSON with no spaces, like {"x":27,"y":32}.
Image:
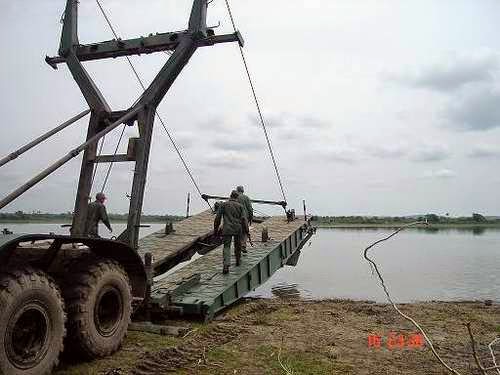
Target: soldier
{"x":97,"y":212}
{"x":248,"y":211}
{"x":234,"y":222}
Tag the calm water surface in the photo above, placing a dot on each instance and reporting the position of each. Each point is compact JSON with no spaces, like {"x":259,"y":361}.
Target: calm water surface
{"x":418,"y":265}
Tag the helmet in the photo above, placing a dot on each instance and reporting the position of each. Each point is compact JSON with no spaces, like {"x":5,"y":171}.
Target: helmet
{"x":240,"y":189}
{"x":100,"y":197}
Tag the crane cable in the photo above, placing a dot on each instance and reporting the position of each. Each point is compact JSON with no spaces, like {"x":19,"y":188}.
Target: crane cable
{"x":261,"y":117}
{"x":186,"y":167}
{"x":97,"y":165}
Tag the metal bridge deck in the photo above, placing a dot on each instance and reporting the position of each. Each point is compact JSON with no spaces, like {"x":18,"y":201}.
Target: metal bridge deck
{"x":200,"y":288}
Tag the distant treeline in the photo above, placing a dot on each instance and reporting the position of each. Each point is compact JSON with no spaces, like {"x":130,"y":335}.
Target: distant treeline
{"x":21,"y":216}
{"x":430,"y":218}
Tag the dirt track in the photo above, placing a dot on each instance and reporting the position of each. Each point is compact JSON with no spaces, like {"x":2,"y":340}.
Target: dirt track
{"x":310,"y":337}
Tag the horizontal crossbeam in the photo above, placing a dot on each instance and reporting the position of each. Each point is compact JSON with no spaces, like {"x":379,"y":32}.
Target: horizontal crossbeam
{"x":260,"y":201}
{"x":112,"y":158}
{"x":143,"y":45}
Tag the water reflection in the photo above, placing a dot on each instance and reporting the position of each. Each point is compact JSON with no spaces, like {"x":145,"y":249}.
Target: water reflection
{"x":418,"y":264}
{"x":474,"y":230}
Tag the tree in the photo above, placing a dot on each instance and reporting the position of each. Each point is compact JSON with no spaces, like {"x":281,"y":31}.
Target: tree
{"x":432,"y":218}
{"x":478,"y":218}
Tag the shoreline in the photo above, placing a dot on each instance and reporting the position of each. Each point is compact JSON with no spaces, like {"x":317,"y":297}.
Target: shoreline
{"x":314,"y":223}
{"x":399,"y":225}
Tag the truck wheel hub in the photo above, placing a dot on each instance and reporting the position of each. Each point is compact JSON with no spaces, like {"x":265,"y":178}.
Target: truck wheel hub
{"x":26,"y":337}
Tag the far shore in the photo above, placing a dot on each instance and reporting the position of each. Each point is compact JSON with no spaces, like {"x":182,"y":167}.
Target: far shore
{"x":399,"y":225}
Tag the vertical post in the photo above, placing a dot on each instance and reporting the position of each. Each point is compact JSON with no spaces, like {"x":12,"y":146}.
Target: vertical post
{"x":265,"y":234}
{"x":305,"y":211}
{"x":148,"y":261}
{"x":145,"y":122}
{"x":85,"y":182}
{"x":187,"y":206}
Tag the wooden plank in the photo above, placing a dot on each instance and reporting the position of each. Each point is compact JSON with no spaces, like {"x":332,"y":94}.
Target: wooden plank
{"x":186,"y":234}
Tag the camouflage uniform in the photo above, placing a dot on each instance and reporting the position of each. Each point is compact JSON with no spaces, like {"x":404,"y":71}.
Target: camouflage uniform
{"x":234,"y":220}
{"x":96,"y":212}
{"x":248,"y":212}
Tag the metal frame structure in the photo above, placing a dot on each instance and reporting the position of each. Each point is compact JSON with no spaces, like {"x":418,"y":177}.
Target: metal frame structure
{"x":103,"y":119}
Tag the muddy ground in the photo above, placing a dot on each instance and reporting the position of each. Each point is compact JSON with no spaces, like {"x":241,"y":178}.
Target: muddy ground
{"x":310,"y":337}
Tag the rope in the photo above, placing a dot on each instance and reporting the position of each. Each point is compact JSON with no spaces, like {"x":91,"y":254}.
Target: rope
{"x":261,"y":117}
{"x":141,"y":83}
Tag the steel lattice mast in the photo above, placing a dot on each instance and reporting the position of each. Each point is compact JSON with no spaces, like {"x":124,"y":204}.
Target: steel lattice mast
{"x":183,"y":44}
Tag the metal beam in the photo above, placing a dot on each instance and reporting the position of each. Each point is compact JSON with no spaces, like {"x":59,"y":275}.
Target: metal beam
{"x":90,"y":92}
{"x":42,"y":138}
{"x":69,"y":35}
{"x":145,"y":122}
{"x":116,"y":48}
{"x":225,"y":38}
{"x":186,"y":48}
{"x":260,"y":201}
{"x":112,"y":158}
{"x":198,"y":18}
{"x":74,"y":153}
{"x":138,"y":46}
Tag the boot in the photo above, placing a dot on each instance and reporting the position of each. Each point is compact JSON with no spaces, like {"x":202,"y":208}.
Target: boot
{"x":225,"y":269}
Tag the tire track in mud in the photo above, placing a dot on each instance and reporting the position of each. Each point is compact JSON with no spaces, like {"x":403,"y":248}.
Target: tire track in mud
{"x":189,"y":353}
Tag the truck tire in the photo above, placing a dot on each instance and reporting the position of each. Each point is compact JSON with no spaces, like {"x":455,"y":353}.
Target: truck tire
{"x":32,"y":322}
{"x":99,"y":300}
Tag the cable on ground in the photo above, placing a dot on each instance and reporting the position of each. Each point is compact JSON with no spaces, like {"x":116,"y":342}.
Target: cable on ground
{"x":374,"y":267}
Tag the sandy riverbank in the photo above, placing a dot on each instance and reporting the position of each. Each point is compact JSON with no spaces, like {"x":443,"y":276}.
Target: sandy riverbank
{"x":309,"y":337}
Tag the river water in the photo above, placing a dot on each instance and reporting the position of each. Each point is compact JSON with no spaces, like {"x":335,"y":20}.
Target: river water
{"x":417,"y":265}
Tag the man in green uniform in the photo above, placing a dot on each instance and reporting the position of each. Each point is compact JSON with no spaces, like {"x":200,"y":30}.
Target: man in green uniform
{"x":234,"y":222}
{"x":248,"y":211}
{"x":97,"y":212}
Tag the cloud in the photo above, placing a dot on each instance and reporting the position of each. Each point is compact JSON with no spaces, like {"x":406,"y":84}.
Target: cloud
{"x":452,"y":74}
{"x":429,"y":153}
{"x":229,"y":144}
{"x":227,"y":159}
{"x":484,"y":151}
{"x":387,"y":151}
{"x":290,"y":120}
{"x":477,"y":109}
{"x":343,"y":154}
{"x":309,"y":121}
{"x":440,"y":174}
{"x":272,"y":120}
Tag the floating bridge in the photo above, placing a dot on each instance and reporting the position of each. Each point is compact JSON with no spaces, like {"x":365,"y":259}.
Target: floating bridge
{"x":199,"y":288}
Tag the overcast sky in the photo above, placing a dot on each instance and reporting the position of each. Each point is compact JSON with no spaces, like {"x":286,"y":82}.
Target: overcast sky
{"x":374,"y":107}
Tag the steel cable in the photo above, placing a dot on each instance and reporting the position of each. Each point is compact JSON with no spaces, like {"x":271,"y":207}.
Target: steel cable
{"x":141,"y":83}
{"x":261,"y":117}
{"x":97,"y":165}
